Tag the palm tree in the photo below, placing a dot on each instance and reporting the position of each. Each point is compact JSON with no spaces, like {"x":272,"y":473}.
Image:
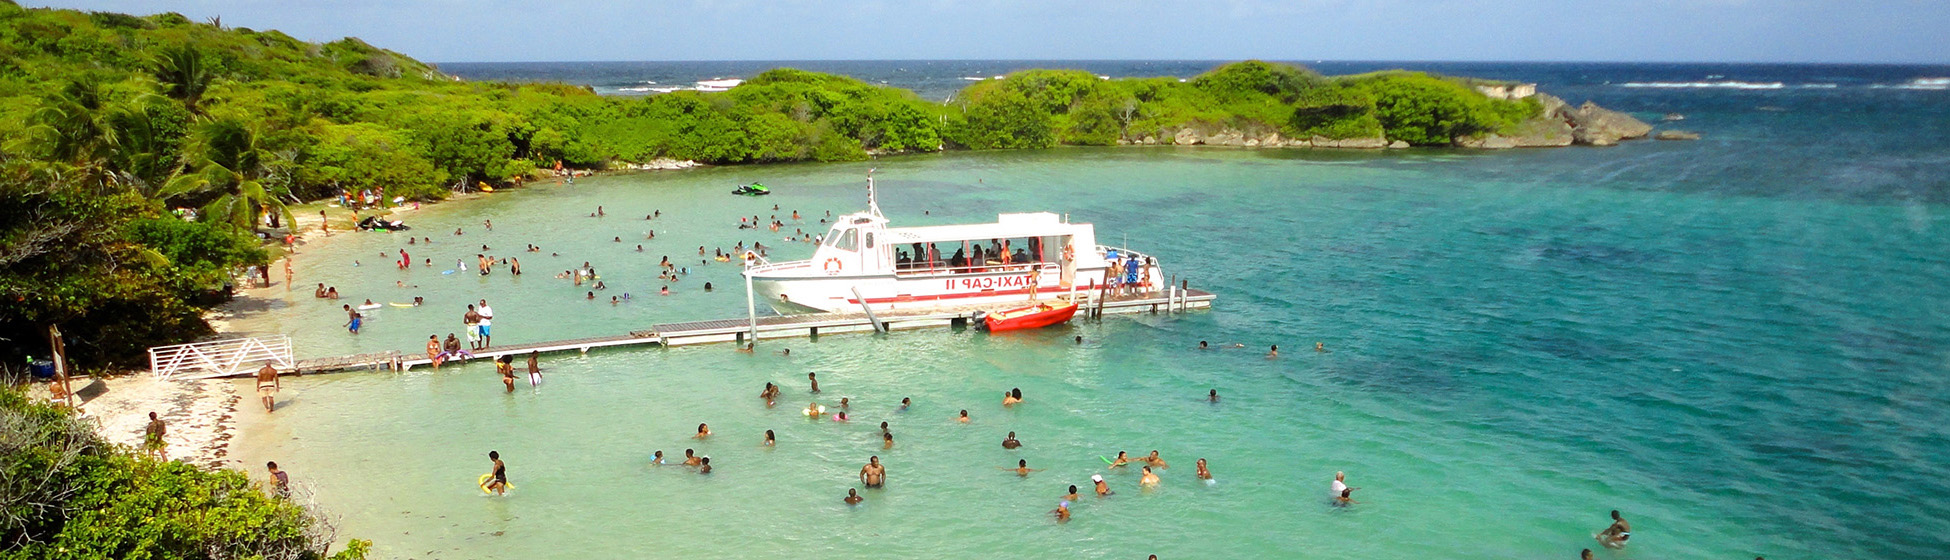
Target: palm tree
{"x":231,"y":161}
{"x":72,"y":125}
{"x":184,"y":75}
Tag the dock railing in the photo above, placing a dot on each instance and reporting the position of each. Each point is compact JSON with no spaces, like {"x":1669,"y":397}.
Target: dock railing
{"x":220,"y":358}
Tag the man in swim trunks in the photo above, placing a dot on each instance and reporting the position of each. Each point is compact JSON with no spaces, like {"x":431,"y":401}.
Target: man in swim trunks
{"x":487,"y":317}
{"x":352,"y":319}
{"x":472,"y":319}
{"x":321,"y":291}
{"x":534,"y":367}
{"x":1010,"y":442}
{"x":690,"y":458}
{"x":814,"y":380}
{"x":873,"y":474}
{"x":1615,"y":535}
{"x":499,"y":484}
{"x":1154,"y":461}
{"x":267,"y":384}
{"x":152,"y":437}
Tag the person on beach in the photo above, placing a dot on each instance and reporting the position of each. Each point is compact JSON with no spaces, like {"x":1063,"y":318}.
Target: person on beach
{"x":1062,"y":511}
{"x":1149,"y":480}
{"x":1154,"y":461}
{"x":287,"y":273}
{"x":472,"y":320}
{"x":1072,"y":496}
{"x":814,"y":379}
{"x":703,"y":431}
{"x":873,"y":474}
{"x":657,"y":459}
{"x":1103,"y":489}
{"x":267,"y":384}
{"x":499,"y":482}
{"x":770,"y":440}
{"x":487,"y":323}
{"x":1011,"y":397}
{"x":1617,"y":534}
{"x":352,"y":320}
{"x":690,"y":458}
{"x":152,"y":438}
{"x":964,"y":417}
{"x":1009,"y":442}
{"x":853,"y":497}
{"x":534,"y":368}
{"x":1120,"y":460}
{"x":280,"y":481}
{"x":1022,"y":468}
{"x":506,"y":367}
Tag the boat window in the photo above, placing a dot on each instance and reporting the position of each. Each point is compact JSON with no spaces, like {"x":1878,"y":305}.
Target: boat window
{"x":869,"y":240}
{"x":849,"y":241}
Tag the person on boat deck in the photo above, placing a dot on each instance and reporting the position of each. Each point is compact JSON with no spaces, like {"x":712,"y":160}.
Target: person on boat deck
{"x":1019,"y":256}
{"x":959,"y":260}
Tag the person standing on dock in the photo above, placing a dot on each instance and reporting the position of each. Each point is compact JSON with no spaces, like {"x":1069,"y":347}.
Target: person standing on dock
{"x":267,"y":385}
{"x":472,"y":319}
{"x":487,"y":317}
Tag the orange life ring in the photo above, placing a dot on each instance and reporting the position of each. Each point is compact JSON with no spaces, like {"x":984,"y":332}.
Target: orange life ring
{"x":832,"y":265}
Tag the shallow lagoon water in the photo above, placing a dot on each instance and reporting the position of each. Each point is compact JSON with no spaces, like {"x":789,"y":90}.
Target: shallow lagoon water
{"x":1742,"y":362}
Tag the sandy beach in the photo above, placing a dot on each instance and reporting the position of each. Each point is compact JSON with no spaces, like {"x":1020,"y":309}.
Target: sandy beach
{"x":201,"y":414}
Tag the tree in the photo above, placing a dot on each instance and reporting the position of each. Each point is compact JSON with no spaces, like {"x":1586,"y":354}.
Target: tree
{"x":183,"y":74}
{"x":232,"y":165}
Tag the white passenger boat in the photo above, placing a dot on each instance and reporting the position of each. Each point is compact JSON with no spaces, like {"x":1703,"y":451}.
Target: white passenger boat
{"x":1019,"y":257}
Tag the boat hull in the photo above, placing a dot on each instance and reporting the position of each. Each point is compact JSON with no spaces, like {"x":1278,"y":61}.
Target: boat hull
{"x":802,"y":294}
{"x":1029,"y":317}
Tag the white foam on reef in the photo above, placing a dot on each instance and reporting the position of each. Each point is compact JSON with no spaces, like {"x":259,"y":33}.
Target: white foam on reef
{"x":973,"y":78}
{"x":1718,"y":84}
{"x":638,"y":89}
{"x":1933,"y":84}
{"x":720,"y":84}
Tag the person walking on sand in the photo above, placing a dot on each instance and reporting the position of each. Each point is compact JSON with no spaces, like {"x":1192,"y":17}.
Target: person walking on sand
{"x":487,"y":317}
{"x":267,"y":385}
{"x":287,"y":274}
{"x":152,"y":438}
{"x":472,"y":320}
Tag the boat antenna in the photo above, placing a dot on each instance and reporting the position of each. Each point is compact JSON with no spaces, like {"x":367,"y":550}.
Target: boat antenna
{"x":873,"y":205}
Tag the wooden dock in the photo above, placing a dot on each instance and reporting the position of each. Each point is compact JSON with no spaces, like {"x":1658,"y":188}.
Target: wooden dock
{"x":769,"y":327}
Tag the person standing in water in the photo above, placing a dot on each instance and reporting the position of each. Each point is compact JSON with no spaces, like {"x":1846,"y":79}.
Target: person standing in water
{"x":964,"y":417}
{"x":873,"y":475}
{"x":853,"y":497}
{"x":814,"y":380}
{"x":1062,"y":511}
{"x":534,"y":368}
{"x":280,"y":481}
{"x":1149,"y":479}
{"x":1617,"y":534}
{"x":1022,"y":468}
{"x":499,"y":481}
{"x":1011,"y":397}
{"x":1213,"y":396}
{"x":267,"y":384}
{"x":352,"y":319}
{"x":1202,"y":473}
{"x":506,"y":366}
{"x":770,"y":440}
{"x":1010,"y":442}
{"x":1103,"y":489}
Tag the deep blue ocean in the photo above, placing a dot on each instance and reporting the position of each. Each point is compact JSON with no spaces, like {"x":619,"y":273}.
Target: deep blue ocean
{"x":1743,"y":342}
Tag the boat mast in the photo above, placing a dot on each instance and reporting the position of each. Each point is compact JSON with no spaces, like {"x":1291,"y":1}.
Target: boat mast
{"x":873,"y":205}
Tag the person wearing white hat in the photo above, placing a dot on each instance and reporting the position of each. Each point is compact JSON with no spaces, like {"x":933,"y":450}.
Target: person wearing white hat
{"x":1102,"y":488}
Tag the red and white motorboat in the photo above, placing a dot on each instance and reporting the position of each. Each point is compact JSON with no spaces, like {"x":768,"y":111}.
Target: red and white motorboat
{"x":862,"y":261}
{"x":1031,"y":317}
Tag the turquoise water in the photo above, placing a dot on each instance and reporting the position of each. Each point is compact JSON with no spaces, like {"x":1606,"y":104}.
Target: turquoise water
{"x":1741,"y":360}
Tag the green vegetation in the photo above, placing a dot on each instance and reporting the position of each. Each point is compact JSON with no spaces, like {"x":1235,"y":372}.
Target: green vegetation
{"x":65,"y":493}
{"x":115,"y":121}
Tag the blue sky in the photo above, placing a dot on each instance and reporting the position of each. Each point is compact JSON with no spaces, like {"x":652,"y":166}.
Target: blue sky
{"x":1912,"y":31}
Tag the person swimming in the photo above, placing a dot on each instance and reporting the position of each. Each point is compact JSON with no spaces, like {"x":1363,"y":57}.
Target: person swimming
{"x":1120,"y":461}
{"x":770,"y":440}
{"x":704,"y":466}
{"x":690,"y":458}
{"x":1022,"y":468}
{"x":887,"y":440}
{"x":1274,"y":353}
{"x":814,"y":410}
{"x":873,"y":475}
{"x":1149,"y":479}
{"x":1617,"y":534}
{"x":853,"y":497}
{"x":1103,"y":489}
{"x":1345,"y":499}
{"x":1011,"y":397}
{"x":906,"y":402}
{"x":1062,"y":511}
{"x":964,"y":417}
{"x":1202,"y":473}
{"x":1072,"y":496}
{"x":1010,"y":441}
{"x":1212,"y":396}
{"x":703,"y":431}
{"x":657,"y":459}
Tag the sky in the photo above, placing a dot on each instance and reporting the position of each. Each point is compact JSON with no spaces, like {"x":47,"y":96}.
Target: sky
{"x":1876,"y":31}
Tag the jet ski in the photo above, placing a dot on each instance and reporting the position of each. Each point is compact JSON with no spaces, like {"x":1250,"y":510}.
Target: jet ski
{"x":753,"y":189}
{"x":373,"y":223}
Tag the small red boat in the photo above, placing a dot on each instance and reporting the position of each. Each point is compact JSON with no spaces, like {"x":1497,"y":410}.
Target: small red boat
{"x":1031,"y":317}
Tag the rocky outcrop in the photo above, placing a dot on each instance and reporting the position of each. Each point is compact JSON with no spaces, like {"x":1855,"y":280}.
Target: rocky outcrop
{"x":1598,"y":126}
{"x":1374,"y":143}
{"x":1676,"y":135}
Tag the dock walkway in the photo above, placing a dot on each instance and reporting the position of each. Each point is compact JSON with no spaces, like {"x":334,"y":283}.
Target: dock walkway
{"x":769,"y":327}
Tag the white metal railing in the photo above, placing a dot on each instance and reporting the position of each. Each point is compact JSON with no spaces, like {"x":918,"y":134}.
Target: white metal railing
{"x":220,"y":358}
